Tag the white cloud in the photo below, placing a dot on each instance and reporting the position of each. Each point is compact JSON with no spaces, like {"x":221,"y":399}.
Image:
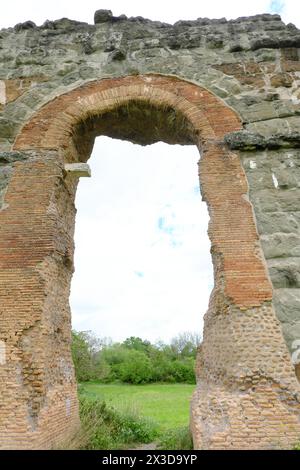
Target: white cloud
{"x":142,"y":258}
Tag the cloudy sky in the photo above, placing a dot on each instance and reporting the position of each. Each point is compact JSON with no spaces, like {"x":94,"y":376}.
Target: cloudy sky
{"x":142,"y":252}
{"x":142,"y":256}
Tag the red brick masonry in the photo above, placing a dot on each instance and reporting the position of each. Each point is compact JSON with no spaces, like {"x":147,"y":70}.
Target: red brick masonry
{"x":247,"y":394}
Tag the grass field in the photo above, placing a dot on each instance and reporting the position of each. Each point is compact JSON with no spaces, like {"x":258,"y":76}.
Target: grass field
{"x":166,"y":404}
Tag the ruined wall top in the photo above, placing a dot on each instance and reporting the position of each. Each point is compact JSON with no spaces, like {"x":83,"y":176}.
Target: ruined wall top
{"x":241,"y":34}
{"x":228,"y":29}
{"x":252,"y":63}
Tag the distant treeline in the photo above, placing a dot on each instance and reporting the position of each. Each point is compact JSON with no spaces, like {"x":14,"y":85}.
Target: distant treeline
{"x":134,"y":360}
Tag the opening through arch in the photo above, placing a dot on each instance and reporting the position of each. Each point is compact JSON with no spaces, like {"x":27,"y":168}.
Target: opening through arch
{"x":142,"y":270}
{"x":142,"y":254}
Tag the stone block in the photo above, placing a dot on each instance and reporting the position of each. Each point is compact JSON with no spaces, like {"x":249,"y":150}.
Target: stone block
{"x":103,"y":16}
{"x":274,"y":222}
{"x":276,"y":200}
{"x":282,"y":79}
{"x":284,"y":272}
{"x":78,"y":170}
{"x":287,"y":303}
{"x":281,"y":245}
{"x":271,"y":127}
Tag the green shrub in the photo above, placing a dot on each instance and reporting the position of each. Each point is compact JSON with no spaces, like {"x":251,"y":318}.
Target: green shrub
{"x":133,"y":428}
{"x":183,"y":370}
{"x":136,"y":368}
{"x":176,"y":439}
{"x":103,"y":427}
{"x":135,"y":360}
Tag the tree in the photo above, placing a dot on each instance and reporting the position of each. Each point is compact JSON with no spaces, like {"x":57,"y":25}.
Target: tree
{"x":81,"y":356}
{"x":135,"y":360}
{"x":87,"y":358}
{"x":138,"y":344}
{"x":186,"y":344}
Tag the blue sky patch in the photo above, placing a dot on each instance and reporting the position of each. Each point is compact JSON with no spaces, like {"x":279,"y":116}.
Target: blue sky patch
{"x":175,"y":244}
{"x":160,"y":223}
{"x":196,"y":190}
{"x":168,"y":229}
{"x":276,"y":6}
{"x":139,"y":274}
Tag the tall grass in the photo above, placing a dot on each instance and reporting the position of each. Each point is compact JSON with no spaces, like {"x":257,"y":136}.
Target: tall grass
{"x":178,"y":438}
{"x":103,"y":427}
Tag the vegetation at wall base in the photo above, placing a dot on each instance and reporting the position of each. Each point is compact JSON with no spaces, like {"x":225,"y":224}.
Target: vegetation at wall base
{"x":109,"y":425}
{"x":105,"y":428}
{"x":176,"y":439}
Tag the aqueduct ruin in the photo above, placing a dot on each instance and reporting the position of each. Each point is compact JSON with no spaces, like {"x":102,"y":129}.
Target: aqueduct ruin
{"x":233,"y":89}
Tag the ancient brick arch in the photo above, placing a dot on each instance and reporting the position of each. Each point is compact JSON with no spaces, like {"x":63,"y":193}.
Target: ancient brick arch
{"x":54,"y":128}
{"x":44,"y":209}
{"x":247,"y":394}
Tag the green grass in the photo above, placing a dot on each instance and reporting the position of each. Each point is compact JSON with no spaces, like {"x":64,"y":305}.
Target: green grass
{"x":166,"y":404}
{"x":104,"y":427}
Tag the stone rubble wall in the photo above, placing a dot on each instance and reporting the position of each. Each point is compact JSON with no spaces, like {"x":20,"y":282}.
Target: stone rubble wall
{"x":251,"y":63}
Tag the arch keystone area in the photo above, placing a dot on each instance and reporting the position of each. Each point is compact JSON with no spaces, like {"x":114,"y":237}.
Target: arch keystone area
{"x":247,"y":394}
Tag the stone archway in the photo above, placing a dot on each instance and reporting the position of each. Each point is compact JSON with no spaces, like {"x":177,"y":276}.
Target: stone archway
{"x":247,"y":394}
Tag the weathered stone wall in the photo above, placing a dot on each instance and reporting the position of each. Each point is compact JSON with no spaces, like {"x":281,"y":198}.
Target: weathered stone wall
{"x":274,"y":175}
{"x":250,"y":65}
